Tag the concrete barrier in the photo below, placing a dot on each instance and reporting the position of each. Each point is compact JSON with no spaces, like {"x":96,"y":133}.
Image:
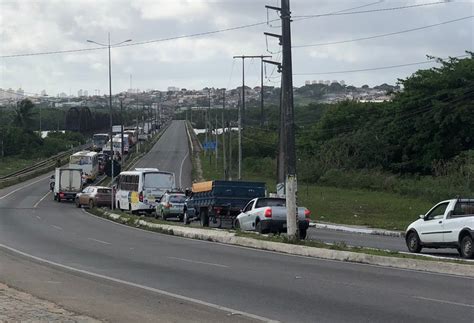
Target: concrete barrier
{"x":226,"y":237}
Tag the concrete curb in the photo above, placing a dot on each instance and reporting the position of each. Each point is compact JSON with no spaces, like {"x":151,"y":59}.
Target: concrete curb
{"x":231,"y":238}
{"x":343,"y":228}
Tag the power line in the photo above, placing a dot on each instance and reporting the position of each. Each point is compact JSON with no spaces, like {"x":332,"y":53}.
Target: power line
{"x":303,"y":17}
{"x":342,"y":12}
{"x":140,"y":43}
{"x":383,"y":35}
{"x":435,"y":60}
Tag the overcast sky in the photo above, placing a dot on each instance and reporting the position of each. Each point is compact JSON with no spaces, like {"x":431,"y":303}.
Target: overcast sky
{"x":28,"y":26}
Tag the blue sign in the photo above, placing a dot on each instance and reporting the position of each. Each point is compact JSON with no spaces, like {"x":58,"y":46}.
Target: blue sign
{"x":209,"y":145}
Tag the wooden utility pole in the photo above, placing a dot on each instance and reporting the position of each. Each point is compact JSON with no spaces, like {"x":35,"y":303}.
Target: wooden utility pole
{"x":287,"y":141}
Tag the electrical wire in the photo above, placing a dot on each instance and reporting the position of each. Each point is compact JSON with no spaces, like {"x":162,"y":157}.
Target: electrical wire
{"x":139,"y":43}
{"x":303,"y":17}
{"x":378,"y":68}
{"x":383,"y":35}
{"x":296,"y":18}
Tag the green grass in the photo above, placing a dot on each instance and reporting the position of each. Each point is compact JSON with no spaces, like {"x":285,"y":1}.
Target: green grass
{"x":9,"y":165}
{"x":338,"y":205}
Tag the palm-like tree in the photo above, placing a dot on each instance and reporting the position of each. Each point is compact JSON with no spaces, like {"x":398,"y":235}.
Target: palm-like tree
{"x":24,"y":114}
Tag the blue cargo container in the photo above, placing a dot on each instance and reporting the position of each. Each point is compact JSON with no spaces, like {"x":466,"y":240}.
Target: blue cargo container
{"x":220,"y":200}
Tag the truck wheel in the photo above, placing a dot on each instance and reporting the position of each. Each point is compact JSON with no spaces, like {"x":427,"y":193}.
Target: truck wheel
{"x":467,"y":250}
{"x":204,"y":216}
{"x":58,"y":199}
{"x":302,"y":234}
{"x":413,"y":242}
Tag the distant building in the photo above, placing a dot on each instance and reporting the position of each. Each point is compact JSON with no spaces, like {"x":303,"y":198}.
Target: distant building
{"x":327,"y":82}
{"x":173,"y":89}
{"x":43,"y":93}
{"x":20,"y":92}
{"x":79,"y":93}
{"x":314,"y":82}
{"x":334,"y":81}
{"x":86,"y":93}
{"x":342,"y":82}
{"x":321,"y":82}
{"x":308,"y":82}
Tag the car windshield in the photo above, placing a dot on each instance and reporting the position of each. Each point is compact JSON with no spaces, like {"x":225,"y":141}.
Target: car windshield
{"x":177,"y":198}
{"x":158,"y":180}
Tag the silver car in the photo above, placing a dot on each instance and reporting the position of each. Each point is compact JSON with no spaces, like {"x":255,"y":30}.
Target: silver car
{"x":171,"y":206}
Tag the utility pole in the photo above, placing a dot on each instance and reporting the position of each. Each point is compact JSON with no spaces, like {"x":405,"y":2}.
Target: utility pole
{"x":121,"y":132}
{"x":242,"y":118}
{"x":108,"y":45}
{"x":288,"y":125}
{"x":217,"y":149}
{"x":223,"y":136}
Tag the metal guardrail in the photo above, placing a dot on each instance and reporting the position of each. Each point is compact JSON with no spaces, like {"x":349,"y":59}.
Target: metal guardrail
{"x":41,"y":167}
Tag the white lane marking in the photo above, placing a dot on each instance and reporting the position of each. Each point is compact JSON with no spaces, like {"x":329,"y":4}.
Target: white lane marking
{"x":181,"y":168}
{"x":199,"y":262}
{"x":22,"y":187}
{"x":37,"y":203}
{"x":279,"y":253}
{"x":151,"y":289}
{"x":442,"y":301}
{"x":38,"y":217}
{"x":56,"y":227}
{"x":99,"y":241}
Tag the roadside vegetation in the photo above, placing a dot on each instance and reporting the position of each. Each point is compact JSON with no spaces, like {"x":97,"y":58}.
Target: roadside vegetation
{"x":21,"y":147}
{"x":375,"y":164}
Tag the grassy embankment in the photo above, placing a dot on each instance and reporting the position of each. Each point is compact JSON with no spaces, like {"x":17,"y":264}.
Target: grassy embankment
{"x":339,"y":205}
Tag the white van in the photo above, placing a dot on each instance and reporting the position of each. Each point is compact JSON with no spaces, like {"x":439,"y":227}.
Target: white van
{"x":142,"y":189}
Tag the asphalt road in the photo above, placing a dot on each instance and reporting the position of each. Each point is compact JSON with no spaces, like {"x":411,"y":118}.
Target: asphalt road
{"x":144,"y":269}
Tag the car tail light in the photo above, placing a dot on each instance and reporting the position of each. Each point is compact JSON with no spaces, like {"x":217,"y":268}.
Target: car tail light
{"x":268,"y":213}
{"x":140,"y":197}
{"x":307,"y":213}
{"x":168,"y":206}
{"x":218,"y":210}
{"x":61,"y":194}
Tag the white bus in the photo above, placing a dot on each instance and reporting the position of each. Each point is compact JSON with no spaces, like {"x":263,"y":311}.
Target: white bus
{"x":142,"y":189}
{"x":88,"y":162}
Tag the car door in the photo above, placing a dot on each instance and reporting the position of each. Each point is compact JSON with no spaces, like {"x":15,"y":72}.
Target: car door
{"x":456,"y":220}
{"x":83,"y":196}
{"x":245,"y":221}
{"x":432,"y":229}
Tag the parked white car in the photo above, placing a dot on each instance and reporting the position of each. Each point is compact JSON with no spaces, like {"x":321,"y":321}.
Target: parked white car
{"x":449,"y":224}
{"x":268,"y":214}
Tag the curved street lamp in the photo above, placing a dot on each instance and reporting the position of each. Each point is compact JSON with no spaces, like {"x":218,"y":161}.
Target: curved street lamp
{"x":108,"y":45}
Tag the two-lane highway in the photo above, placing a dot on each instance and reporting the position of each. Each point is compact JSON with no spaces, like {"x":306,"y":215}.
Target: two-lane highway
{"x":214,"y":280}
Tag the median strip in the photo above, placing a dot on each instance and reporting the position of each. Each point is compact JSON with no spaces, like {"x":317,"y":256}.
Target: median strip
{"x":304,"y":248}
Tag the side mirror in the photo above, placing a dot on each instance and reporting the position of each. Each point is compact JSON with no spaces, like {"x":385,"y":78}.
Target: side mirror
{"x":422,"y":216}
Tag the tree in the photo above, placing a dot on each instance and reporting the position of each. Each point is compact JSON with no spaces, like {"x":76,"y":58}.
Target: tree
{"x":24,"y":115}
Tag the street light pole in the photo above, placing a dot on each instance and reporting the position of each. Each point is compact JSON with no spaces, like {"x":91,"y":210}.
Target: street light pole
{"x":108,"y":45}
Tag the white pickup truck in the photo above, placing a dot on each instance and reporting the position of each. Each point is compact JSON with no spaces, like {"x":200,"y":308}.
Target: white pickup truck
{"x":268,"y":214}
{"x":449,"y":224}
